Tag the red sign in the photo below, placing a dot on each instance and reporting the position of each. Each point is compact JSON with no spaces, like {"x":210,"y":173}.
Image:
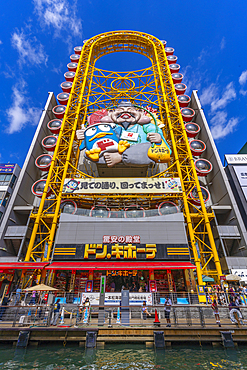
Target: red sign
{"x":6,"y":271}
{"x":222,"y":278}
{"x":89,"y":286}
{"x":152,"y":286}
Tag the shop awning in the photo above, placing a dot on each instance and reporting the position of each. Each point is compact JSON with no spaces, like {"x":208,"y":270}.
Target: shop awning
{"x":120,"y":266}
{"x":23,"y":265}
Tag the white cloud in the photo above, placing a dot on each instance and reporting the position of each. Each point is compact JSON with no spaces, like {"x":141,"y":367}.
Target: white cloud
{"x":192,"y":79}
{"x":1,"y":42}
{"x":221,"y":126}
{"x":209,"y":94}
{"x":30,"y":50}
{"x":243,"y":78}
{"x":20,"y":113}
{"x":228,"y":96}
{"x":203,"y":55}
{"x":219,"y":118}
{"x":58,"y":69}
{"x":223,"y":43}
{"x":222,"y":129}
{"x":243,"y":92}
{"x":59,"y":14}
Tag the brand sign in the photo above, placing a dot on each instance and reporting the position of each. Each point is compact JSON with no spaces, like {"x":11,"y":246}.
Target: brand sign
{"x":122,"y":185}
{"x":114,"y":299}
{"x":121,"y":273}
{"x":117,"y":252}
{"x":236,"y":158}
{"x":7,"y":168}
{"x":240,"y":272}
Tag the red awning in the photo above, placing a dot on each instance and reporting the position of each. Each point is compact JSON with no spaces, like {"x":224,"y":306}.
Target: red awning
{"x":120,"y":266}
{"x":23,"y":265}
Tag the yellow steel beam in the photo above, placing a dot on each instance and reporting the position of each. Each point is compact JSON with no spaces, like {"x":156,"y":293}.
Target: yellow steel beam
{"x":92,"y":90}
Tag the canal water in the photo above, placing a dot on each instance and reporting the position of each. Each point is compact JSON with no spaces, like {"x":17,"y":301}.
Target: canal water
{"x":124,"y":357}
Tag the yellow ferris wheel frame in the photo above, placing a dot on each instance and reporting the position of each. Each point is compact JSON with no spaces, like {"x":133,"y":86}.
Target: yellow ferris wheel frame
{"x":90,"y":93}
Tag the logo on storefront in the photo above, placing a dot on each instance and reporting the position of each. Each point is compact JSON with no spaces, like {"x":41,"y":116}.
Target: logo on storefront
{"x":122,"y":249}
{"x":111,"y":239}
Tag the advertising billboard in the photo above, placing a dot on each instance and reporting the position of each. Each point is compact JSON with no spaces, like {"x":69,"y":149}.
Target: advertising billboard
{"x":241,"y":173}
{"x":122,"y":185}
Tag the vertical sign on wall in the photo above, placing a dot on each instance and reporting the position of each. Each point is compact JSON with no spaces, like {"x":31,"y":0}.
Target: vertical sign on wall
{"x":170,"y":280}
{"x":101,"y":315}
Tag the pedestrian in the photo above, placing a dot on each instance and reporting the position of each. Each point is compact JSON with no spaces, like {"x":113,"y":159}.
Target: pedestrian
{"x":235,"y":313}
{"x":145,"y":311}
{"x":33,"y":299}
{"x":206,"y":293}
{"x":168,"y":305}
{"x":232,"y":303}
{"x":3,"y":307}
{"x":56,"y":313}
{"x":86,"y":308}
{"x":113,"y":287}
{"x":238,"y":302}
{"x":134,"y":287}
{"x":215,"y":309}
{"x":17,"y":296}
{"x":232,"y":291}
{"x":222,"y":300}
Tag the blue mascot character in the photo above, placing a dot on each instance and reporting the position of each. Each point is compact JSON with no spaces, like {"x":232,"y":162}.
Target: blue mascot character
{"x":102,"y":137}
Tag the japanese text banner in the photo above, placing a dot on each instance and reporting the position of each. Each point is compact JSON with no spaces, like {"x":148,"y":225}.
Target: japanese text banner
{"x":122,"y":185}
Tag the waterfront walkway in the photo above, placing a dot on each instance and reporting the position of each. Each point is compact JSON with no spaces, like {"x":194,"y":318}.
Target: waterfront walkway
{"x":190,"y":323}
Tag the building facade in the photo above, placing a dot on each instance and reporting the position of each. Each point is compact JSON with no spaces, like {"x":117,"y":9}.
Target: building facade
{"x":123,"y":180}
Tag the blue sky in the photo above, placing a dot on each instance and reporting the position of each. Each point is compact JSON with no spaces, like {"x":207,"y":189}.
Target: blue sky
{"x":37,"y":37}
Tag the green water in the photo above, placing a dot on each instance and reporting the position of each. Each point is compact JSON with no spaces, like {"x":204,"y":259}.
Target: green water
{"x":116,"y":357}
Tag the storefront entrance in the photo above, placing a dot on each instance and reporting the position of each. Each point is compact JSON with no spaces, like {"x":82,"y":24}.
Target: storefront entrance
{"x":180,"y":280}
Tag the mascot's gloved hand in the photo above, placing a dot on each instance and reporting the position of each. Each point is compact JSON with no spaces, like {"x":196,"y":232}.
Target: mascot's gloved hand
{"x":80,"y":133}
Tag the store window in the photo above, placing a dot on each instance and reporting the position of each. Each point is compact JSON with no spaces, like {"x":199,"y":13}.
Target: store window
{"x":161,"y":281}
{"x":5,"y":199}
{"x":179,"y":280}
{"x":12,"y":181}
{"x":1,"y":196}
{"x":5,"y":179}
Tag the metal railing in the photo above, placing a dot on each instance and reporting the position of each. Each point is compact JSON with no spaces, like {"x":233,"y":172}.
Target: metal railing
{"x":79,"y":316}
{"x":158,"y":298}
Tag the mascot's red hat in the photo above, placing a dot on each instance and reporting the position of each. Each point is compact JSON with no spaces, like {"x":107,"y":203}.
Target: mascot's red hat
{"x":95,"y":117}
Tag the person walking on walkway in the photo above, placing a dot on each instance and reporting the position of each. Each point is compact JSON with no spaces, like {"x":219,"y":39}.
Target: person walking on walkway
{"x":86,"y":305}
{"x":145,"y":311}
{"x":168,"y":305}
{"x":215,"y":309}
{"x":56,"y":313}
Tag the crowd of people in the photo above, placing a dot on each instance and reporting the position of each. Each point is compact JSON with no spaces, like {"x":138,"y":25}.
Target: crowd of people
{"x":224,"y":295}
{"x":233,"y":296}
{"x":132,"y":287}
